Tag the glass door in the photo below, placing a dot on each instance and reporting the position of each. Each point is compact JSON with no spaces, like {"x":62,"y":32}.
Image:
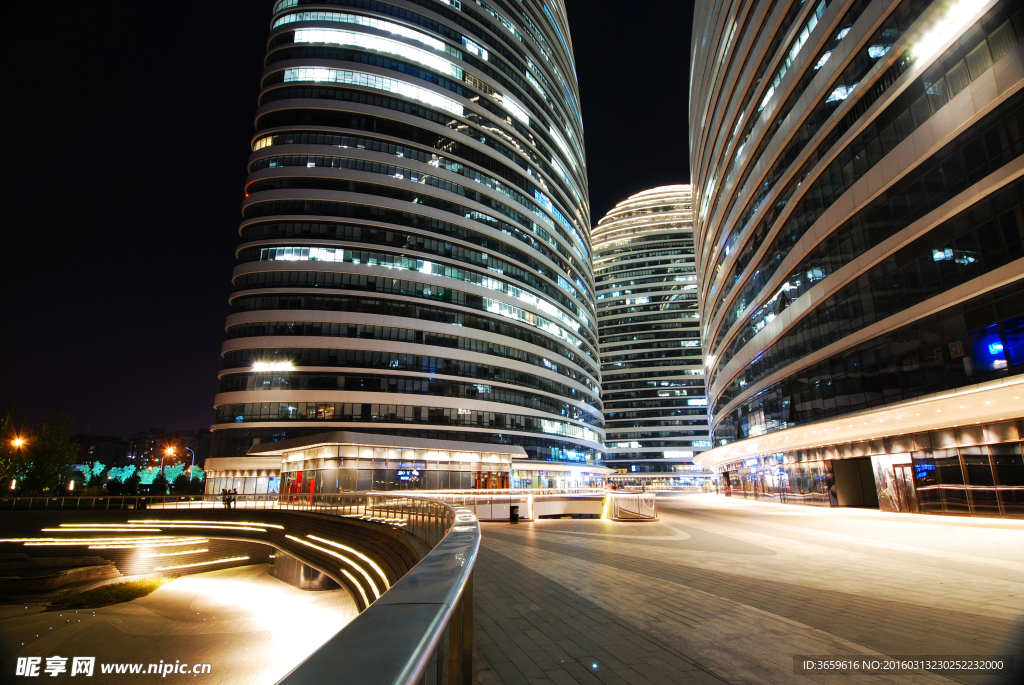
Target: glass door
{"x":905,"y":494}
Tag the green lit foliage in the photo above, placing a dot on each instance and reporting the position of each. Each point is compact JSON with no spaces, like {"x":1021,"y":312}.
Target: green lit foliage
{"x":122,"y":480}
{"x":94,"y":473}
{"x":121,"y":473}
{"x":171,"y":473}
{"x":94,"y":479}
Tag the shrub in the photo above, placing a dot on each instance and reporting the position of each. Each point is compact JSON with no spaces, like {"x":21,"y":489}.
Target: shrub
{"x":110,"y":594}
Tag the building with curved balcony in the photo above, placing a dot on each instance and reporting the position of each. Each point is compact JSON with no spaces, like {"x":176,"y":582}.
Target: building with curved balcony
{"x":415,"y":253}
{"x":859,"y":213}
{"x":651,"y":364}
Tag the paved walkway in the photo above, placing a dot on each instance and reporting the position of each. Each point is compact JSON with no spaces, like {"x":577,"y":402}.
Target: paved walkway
{"x":249,"y":626}
{"x":724,"y":590}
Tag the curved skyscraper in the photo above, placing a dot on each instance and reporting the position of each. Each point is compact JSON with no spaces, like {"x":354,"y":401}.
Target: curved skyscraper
{"x":653,"y":375}
{"x":415,"y":249}
{"x":860,"y":228}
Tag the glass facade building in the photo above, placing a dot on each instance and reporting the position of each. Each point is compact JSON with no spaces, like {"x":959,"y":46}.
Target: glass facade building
{"x":415,"y":253}
{"x":859,"y":213}
{"x":651,"y":363}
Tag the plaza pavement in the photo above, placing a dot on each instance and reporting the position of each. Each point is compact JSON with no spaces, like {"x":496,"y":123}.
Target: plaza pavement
{"x":726,"y":590}
{"x":718,"y":591}
{"x":251,"y":627}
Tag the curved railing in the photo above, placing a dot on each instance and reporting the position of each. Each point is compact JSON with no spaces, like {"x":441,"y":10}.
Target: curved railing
{"x":425,"y":519}
{"x":418,"y":631}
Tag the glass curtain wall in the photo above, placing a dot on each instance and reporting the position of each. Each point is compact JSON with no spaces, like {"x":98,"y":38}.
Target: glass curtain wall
{"x":859,"y":217}
{"x":415,"y":255}
{"x":652,"y":365}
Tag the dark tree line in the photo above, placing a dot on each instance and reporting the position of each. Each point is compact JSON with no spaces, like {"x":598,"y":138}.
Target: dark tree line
{"x":40,"y":460}
{"x":37,"y":459}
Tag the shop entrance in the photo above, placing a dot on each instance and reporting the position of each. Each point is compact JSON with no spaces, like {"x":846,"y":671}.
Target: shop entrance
{"x":855,"y":483}
{"x":906,"y":496}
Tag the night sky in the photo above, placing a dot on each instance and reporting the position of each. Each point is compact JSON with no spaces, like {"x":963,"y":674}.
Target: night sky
{"x":128,"y":133}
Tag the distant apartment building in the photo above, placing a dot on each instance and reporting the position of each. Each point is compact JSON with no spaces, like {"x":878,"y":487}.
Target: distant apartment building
{"x":109,"y":450}
{"x":148,"y":448}
{"x":647,"y":312}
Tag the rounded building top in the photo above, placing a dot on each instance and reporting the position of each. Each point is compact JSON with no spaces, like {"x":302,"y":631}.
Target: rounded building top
{"x":658,"y":209}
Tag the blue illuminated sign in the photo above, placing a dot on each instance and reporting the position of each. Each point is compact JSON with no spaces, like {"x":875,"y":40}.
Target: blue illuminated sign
{"x":988,"y":349}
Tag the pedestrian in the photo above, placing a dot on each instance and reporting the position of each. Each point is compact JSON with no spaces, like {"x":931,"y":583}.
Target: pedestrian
{"x":224,"y":497}
{"x":234,"y":496}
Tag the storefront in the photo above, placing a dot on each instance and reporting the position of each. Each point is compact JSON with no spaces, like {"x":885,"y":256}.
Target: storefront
{"x":260,"y":476}
{"x":552,"y":475}
{"x":343,"y":461}
{"x":968,"y":470}
{"x":686,"y":477}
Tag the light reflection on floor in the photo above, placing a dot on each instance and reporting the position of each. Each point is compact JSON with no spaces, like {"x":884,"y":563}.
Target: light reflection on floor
{"x":251,"y":627}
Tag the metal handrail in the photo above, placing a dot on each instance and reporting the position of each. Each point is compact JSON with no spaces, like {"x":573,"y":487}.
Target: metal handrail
{"x":633,"y":506}
{"x":426,"y":519}
{"x":425,"y":620}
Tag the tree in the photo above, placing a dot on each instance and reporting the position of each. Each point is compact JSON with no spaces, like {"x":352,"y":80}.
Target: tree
{"x":94,"y":473}
{"x":197,"y":481}
{"x":12,"y":453}
{"x":121,"y":473}
{"x":182,"y":484}
{"x":159,"y":484}
{"x":95,"y":480}
{"x":114,"y":487}
{"x":51,"y":452}
{"x":172,"y":472}
{"x":147,"y":476}
{"x":117,"y":481}
{"x":130,"y":485}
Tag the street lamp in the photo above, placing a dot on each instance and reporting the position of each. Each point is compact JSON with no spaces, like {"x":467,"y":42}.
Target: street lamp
{"x":18,"y":442}
{"x":193,"y":463}
{"x":169,"y":452}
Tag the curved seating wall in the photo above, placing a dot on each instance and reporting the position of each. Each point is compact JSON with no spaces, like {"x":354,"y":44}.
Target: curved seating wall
{"x":393,"y":552}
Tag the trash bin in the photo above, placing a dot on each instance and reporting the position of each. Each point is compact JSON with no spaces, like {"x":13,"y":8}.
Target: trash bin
{"x":513,"y":513}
